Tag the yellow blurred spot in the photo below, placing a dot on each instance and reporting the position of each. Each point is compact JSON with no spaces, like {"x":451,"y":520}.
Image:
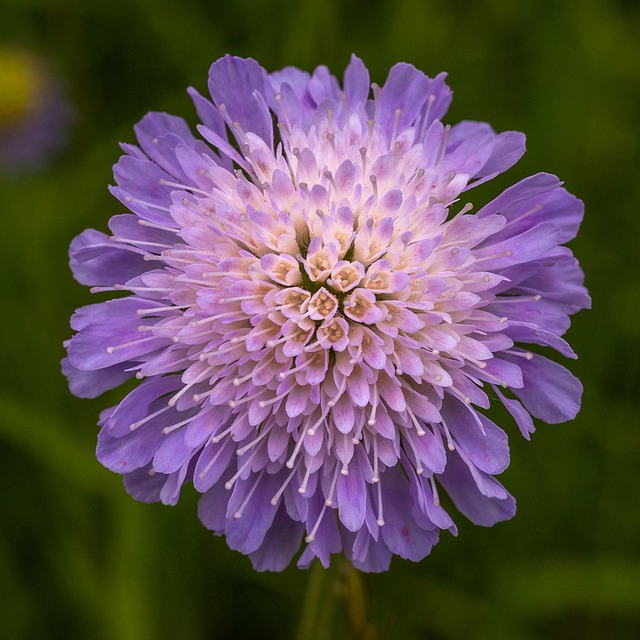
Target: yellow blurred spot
{"x":20,"y":82}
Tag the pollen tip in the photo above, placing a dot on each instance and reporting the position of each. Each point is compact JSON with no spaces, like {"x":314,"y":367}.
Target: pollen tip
{"x":228,"y":485}
{"x":309,"y":539}
{"x":344,"y":472}
{"x":375,"y":479}
{"x":237,"y":515}
{"x":328,"y":502}
{"x":261,"y":404}
{"x":311,"y":432}
{"x":380,"y":522}
{"x":302,"y":490}
{"x":110,"y":349}
{"x":371,"y":421}
{"x":236,"y":382}
{"x":450,"y":446}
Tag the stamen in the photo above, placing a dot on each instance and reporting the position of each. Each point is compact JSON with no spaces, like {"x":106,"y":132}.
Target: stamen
{"x":419,"y":430}
{"x":303,"y":487}
{"x":447,"y":434}
{"x":129,"y":344}
{"x":312,"y":536}
{"x":173,"y":427}
{"x":434,"y":490}
{"x":418,"y":464}
{"x":280,"y":491}
{"x":345,"y":465}
{"x":238,"y":514}
{"x":522,"y":354}
{"x":291,"y":461}
{"x":265,"y":431}
{"x":177,"y":185}
{"x":334,"y":480}
{"x":213,"y":460}
{"x":380,"y":519}
{"x":201,"y":376}
{"x":265,"y":363}
{"x":135,"y":425}
{"x":229,"y":484}
{"x":146,"y":312}
{"x":376,"y":474}
{"x":513,"y":299}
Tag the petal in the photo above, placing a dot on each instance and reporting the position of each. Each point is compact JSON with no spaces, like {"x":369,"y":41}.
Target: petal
{"x":356,"y":83}
{"x":280,"y":544}
{"x":483,"y":442}
{"x":400,"y":531}
{"x":114,"y":323}
{"x":550,"y":391}
{"x":236,"y":83}
{"x":246,"y":533}
{"x":536,"y":199}
{"x":463,"y":490}
{"x":91,"y":384}
{"x":96,"y":261}
{"x":352,"y":499}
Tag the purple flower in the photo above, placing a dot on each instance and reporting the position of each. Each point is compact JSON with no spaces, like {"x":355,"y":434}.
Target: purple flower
{"x":34,"y":113}
{"x":317,"y":320}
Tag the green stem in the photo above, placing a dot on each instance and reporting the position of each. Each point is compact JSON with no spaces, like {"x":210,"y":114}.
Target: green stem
{"x":307,"y":629}
{"x":355,"y":600}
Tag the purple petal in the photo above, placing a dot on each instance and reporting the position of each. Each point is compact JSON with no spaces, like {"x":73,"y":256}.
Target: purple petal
{"x":114,"y":323}
{"x":246,"y":533}
{"x":356,"y":83}
{"x":485,"y":444}
{"x":550,"y":392}
{"x":234,"y":83}
{"x":91,"y":384}
{"x":352,"y":499}
{"x":144,"y":485}
{"x":96,"y":261}
{"x":280,"y":544}
{"x":400,"y":532}
{"x":463,"y":490}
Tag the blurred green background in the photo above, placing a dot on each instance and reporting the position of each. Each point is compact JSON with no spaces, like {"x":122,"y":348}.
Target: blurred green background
{"x":79,"y":559}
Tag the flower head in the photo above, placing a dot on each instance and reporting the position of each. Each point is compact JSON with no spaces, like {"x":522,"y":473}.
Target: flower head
{"x":34,"y":114}
{"x":316,"y":318}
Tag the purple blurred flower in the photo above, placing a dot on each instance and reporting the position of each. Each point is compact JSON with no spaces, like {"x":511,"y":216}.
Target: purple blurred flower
{"x":317,"y":321}
{"x":34,"y":113}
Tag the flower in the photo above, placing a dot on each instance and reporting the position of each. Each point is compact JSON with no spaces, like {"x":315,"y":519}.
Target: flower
{"x":34,"y":113}
{"x":318,"y":322}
